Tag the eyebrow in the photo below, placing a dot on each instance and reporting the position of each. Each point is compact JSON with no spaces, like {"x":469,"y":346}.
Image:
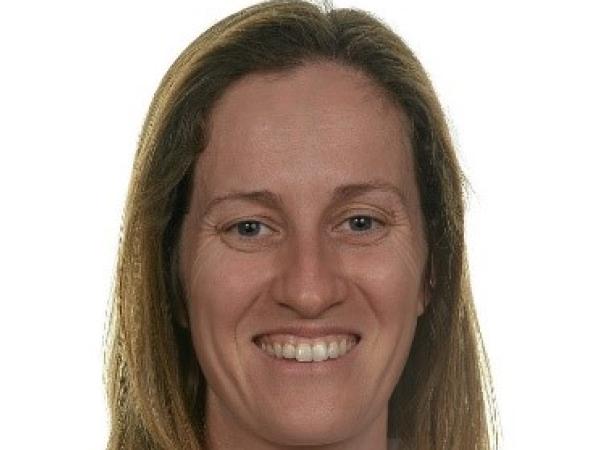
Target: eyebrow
{"x":340,"y":194}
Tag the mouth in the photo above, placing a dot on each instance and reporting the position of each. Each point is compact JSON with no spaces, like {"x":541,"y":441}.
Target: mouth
{"x":290,"y":348}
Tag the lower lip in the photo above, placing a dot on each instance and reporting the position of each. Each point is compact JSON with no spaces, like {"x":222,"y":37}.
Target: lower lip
{"x":294,"y":367}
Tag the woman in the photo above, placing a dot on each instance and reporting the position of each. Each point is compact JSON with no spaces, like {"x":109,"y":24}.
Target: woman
{"x":292,"y":270}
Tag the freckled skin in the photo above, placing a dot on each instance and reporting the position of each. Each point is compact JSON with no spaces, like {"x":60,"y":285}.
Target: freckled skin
{"x":300,"y":135}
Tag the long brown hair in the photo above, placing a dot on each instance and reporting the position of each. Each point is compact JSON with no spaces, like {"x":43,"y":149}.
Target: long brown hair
{"x":156,"y":391}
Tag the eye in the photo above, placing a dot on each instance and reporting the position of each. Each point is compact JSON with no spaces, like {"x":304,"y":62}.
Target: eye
{"x":246,"y":228}
{"x":360,"y":224}
{"x":363,"y":224}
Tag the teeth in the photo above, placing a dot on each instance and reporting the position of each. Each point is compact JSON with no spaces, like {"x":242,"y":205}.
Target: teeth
{"x":333,"y":350}
{"x":319,"y":350}
{"x":289,"y":351}
{"x":304,"y":352}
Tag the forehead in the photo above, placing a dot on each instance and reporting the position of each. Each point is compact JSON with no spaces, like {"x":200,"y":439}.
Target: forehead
{"x":317,"y":126}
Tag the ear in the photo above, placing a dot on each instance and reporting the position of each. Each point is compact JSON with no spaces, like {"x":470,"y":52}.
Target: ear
{"x":427,"y":287}
{"x":178,"y":301}
{"x":178,"y":292}
{"x":423,"y":300}
{"x":180,"y":312}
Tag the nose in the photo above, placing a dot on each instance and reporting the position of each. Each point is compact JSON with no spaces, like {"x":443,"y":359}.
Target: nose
{"x":311,"y":279}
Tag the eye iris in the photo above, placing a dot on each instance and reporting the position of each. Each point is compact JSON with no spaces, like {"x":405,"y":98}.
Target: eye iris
{"x":361,"y":221}
{"x":248,"y":226}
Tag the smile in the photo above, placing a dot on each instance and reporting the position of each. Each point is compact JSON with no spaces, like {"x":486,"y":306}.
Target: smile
{"x":307,"y":350}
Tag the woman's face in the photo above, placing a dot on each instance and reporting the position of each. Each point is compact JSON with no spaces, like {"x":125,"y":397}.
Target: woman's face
{"x":329,"y":246}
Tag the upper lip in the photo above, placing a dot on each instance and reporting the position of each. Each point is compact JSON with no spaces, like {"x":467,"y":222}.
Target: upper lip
{"x":309,"y":331}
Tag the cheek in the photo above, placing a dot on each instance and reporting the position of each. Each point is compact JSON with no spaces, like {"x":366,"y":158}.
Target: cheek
{"x":220,"y":289}
{"x":391,"y":284}
{"x":223,"y":282}
{"x":392,"y":273}
{"x":218,"y":301}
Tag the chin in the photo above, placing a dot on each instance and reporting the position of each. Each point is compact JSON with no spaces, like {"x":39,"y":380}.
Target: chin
{"x":309,"y":429}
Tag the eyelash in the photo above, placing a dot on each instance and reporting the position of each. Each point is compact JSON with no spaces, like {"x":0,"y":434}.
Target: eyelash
{"x":381,"y":223}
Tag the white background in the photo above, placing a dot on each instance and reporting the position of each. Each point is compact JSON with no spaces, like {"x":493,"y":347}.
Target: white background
{"x":519,"y":83}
